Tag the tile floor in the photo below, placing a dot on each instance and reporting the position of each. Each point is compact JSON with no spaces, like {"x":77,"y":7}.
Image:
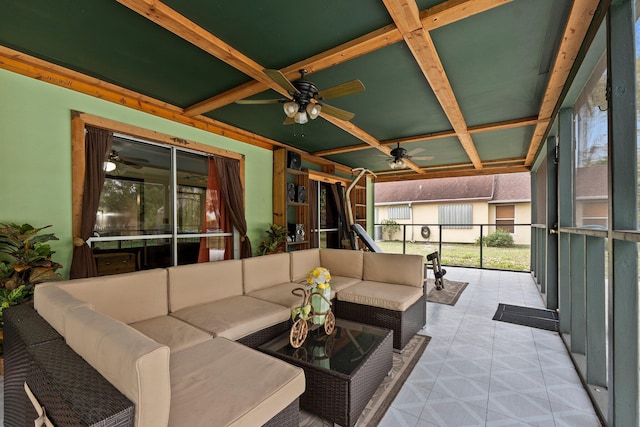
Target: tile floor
{"x":480,"y":372}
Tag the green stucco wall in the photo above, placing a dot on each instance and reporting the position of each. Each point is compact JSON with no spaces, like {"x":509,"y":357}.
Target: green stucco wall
{"x":35,"y":157}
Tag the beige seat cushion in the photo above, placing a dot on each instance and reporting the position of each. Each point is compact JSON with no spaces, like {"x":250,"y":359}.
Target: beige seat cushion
{"x":339,"y":283}
{"x":135,"y":364}
{"x":52,"y":303}
{"x":172,"y":332}
{"x":223,"y":383}
{"x":129,"y":297}
{"x":195,"y":284}
{"x":394,"y":268}
{"x":280,"y":294}
{"x":342,"y":262}
{"x":302,"y":262}
{"x":234,"y":317}
{"x":383,"y":295}
{"x":263,"y":271}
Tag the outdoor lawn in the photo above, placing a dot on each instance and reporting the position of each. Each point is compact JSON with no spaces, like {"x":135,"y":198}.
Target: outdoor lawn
{"x":467,"y":255}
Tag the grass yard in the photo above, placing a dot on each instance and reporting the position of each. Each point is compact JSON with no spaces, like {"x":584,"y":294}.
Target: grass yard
{"x":467,"y":255}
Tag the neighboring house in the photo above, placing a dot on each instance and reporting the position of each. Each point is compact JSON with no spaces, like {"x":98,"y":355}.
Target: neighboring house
{"x":591,"y":196}
{"x":497,"y":200}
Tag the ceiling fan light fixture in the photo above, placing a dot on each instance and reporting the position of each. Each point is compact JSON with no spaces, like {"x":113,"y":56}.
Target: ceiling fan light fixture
{"x":109,"y":166}
{"x":313,"y":110}
{"x":290,"y":108}
{"x":397,"y":164}
{"x":301,"y":117}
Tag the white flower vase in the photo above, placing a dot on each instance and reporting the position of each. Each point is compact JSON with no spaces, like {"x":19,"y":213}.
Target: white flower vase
{"x":320,"y":305}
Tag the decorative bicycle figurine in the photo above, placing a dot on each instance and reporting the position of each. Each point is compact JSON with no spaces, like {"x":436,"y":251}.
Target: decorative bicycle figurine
{"x":315,"y":309}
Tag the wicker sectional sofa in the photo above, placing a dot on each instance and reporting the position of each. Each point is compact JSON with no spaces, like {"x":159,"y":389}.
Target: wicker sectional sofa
{"x":178,"y":343}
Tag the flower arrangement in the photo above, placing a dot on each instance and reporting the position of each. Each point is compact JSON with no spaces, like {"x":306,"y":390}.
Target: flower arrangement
{"x":319,"y":278}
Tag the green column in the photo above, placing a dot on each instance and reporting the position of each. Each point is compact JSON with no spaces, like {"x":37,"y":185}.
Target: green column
{"x":596,"y":349}
{"x":565,"y":214}
{"x":551,"y":238}
{"x":623,"y":256}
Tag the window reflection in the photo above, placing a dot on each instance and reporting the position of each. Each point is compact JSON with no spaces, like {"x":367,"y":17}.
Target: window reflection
{"x":591,"y":151}
{"x":135,"y":220}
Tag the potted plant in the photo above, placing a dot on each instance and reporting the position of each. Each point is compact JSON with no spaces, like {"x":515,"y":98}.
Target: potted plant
{"x":25,"y":260}
{"x":275,"y":242}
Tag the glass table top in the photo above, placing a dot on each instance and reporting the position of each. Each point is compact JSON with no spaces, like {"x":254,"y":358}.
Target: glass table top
{"x":342,"y":351}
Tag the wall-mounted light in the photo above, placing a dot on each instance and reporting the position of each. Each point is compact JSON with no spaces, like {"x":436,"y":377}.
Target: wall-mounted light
{"x":109,"y":166}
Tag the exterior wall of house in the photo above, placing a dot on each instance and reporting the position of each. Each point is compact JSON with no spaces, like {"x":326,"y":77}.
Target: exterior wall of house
{"x":35,"y":147}
{"x":427,"y":213}
{"x":521,"y":235}
{"x":482,"y":213}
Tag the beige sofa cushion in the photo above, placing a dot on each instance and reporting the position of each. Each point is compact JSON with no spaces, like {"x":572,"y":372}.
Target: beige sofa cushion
{"x":135,"y":364}
{"x":223,"y":383}
{"x":342,"y":262}
{"x":172,"y":332}
{"x":233,"y":317}
{"x":394,"y":268}
{"x":204,"y":282}
{"x":280,"y":294}
{"x":52,"y":303}
{"x":129,"y":297}
{"x":383,"y":295}
{"x":302,"y":262}
{"x":339,"y":283}
{"x":264,"y":271}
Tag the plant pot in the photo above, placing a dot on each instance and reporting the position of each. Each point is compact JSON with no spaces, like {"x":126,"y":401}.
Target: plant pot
{"x":320,"y":305}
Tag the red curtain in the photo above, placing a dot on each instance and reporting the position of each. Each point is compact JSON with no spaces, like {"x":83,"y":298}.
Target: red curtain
{"x":215,"y":218}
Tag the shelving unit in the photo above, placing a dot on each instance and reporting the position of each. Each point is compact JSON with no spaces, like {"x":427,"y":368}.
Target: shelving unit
{"x":285,"y":211}
{"x":359,"y":205}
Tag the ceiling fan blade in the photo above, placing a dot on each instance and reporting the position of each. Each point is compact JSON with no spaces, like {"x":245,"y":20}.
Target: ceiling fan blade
{"x":288,"y":121}
{"x":259,"y":101}
{"x":281,"y":80}
{"x":337,"y":112}
{"x":347,"y":88}
{"x":422,"y":157}
{"x":415,"y":151}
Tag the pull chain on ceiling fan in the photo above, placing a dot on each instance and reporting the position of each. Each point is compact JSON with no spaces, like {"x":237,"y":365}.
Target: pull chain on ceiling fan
{"x":307,"y":101}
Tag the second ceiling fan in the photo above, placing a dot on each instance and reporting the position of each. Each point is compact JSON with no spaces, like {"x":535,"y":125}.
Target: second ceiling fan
{"x":306,"y":100}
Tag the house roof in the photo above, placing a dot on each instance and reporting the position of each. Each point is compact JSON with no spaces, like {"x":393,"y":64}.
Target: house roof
{"x":515,"y":187}
{"x":492,"y":188}
{"x":467,"y":87}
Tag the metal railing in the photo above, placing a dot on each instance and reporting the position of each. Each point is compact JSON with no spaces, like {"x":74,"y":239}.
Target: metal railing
{"x":461,"y":245}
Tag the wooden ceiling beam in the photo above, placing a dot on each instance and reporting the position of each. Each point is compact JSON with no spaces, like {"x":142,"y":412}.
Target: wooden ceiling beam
{"x":407,"y":18}
{"x":370,"y":42}
{"x":363,"y":136}
{"x":580,"y":17}
{"x":507,"y":124}
{"x":435,"y":17}
{"x":172,"y":21}
{"x":451,"y":11}
{"x":472,"y":171}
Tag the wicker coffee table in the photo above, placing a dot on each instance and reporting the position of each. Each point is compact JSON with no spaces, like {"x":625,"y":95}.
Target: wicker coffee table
{"x":342,"y":370}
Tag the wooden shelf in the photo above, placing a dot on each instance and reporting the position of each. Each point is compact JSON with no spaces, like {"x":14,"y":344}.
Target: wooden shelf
{"x":286,"y":212}
{"x":303,"y":242}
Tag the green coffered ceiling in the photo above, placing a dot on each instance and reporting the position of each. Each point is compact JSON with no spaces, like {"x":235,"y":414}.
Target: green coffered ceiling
{"x":466,"y":86}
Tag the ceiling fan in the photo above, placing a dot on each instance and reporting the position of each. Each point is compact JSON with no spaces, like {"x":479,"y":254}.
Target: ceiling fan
{"x":115,"y":157}
{"x":306,"y":100}
{"x":400,"y":154}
